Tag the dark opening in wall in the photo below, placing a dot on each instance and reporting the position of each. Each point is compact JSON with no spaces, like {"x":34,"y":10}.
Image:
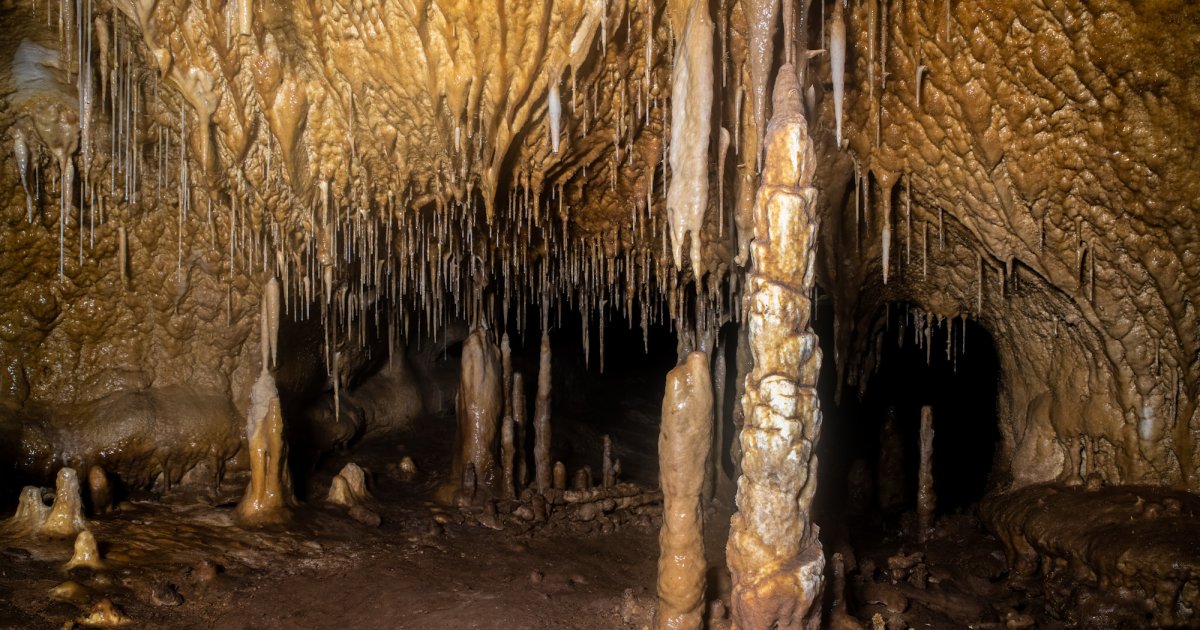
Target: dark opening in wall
{"x":913,"y":361}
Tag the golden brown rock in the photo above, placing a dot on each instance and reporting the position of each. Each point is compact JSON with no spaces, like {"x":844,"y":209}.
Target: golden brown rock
{"x":683,"y":446}
{"x":480,"y":402}
{"x":86,"y":554}
{"x":65,"y":518}
{"x":268,"y":498}
{"x":541,"y":420}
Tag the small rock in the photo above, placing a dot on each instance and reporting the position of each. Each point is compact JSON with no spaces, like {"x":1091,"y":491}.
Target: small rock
{"x":71,"y":592}
{"x":365,"y":515}
{"x":536,"y":577}
{"x":205,"y":572}
{"x":164,"y":594}
{"x":105,"y":614}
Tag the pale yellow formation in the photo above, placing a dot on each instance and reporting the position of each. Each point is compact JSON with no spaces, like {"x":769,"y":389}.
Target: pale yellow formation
{"x":773,"y":551}
{"x":683,"y":448}
{"x":65,"y":518}
{"x":86,"y":554}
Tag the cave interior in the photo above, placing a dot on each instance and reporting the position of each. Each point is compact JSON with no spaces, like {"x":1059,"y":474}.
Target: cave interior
{"x":599,"y":314}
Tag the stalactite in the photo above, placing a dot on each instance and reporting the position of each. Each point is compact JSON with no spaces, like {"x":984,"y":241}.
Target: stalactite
{"x":837,"y":60}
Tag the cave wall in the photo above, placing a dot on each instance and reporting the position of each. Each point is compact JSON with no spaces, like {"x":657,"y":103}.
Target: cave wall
{"x":1055,"y":144}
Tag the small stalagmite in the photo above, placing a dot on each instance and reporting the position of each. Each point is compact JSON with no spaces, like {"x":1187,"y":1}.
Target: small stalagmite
{"x":349,"y":490}
{"x":507,"y":452}
{"x":269,"y":495}
{"x":560,"y":476}
{"x":99,"y":491}
{"x":683,"y":449}
{"x":480,"y":402}
{"x":926,"y":496}
{"x":87,"y":553}
{"x":608,"y":471}
{"x":65,"y":519}
{"x":774,"y":555}
{"x":31,"y":513}
{"x":541,"y":420}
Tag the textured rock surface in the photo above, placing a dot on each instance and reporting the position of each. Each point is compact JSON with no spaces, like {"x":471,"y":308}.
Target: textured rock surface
{"x":773,"y":551}
{"x":1138,"y":544}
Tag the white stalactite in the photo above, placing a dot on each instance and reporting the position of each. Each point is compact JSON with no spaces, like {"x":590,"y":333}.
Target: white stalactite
{"x":691,"y":112}
{"x":837,"y":60}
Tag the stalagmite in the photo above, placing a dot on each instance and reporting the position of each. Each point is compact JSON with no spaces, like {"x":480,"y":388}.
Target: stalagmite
{"x":479,"y":406}
{"x":65,"y":518}
{"x":268,"y":496}
{"x":560,"y":476}
{"x":691,"y":121}
{"x":520,"y":428}
{"x":30,"y":515}
{"x":926,"y":496}
{"x":608,"y":466}
{"x":507,"y":454}
{"x":86,"y":554}
{"x":349,"y":490}
{"x":541,"y":420}
{"x":837,"y":63}
{"x":99,"y":491}
{"x":683,"y":449}
{"x":773,"y":552}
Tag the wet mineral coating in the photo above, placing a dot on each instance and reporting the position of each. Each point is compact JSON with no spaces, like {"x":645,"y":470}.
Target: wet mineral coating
{"x":1029,"y":165}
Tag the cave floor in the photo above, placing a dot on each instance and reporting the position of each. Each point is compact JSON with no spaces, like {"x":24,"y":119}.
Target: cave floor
{"x":180,"y":562}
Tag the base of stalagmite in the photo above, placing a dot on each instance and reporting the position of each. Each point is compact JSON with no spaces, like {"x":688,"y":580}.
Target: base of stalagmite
{"x":268,"y":497}
{"x":31,"y":513}
{"x":87,"y":553}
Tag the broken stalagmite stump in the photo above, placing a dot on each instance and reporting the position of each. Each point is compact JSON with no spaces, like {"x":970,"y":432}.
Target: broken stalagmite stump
{"x":774,"y":556}
{"x":683,"y":446}
{"x":926,"y":496}
{"x":541,"y":421}
{"x":480,"y":402}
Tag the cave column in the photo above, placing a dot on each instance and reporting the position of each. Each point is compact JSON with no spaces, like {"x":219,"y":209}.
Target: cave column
{"x":774,"y":555}
{"x":480,"y":403}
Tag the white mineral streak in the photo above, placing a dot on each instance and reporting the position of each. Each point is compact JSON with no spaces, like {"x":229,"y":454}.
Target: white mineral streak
{"x":21,"y":149}
{"x":837,"y":61}
{"x":683,"y":444}
{"x":691,"y":112}
{"x":773,"y":552}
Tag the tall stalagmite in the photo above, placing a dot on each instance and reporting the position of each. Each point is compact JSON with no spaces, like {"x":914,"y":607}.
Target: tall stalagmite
{"x":683,"y":445}
{"x":480,"y":400}
{"x":773,"y":551}
{"x":541,"y":420}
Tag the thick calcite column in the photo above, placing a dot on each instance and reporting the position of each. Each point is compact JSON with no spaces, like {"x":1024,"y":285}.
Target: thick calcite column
{"x":480,"y":400}
{"x":269,"y":495}
{"x":774,"y":555}
{"x":683,"y":446}
{"x":541,"y":421}
{"x":926,"y":496}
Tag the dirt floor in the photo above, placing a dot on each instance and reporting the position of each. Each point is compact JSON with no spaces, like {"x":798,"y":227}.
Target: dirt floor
{"x":180,"y":561}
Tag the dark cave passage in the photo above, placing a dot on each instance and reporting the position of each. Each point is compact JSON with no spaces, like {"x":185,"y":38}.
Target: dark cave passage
{"x":870,"y":444}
